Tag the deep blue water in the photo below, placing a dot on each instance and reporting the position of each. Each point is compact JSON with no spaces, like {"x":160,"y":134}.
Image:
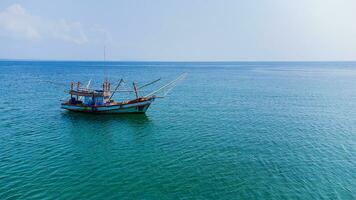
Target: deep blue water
{"x":230,"y":130}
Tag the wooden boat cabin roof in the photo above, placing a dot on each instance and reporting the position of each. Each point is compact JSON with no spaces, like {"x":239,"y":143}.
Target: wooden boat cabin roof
{"x":87,"y":93}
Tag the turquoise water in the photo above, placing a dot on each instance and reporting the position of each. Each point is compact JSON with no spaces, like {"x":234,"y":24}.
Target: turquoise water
{"x":234,"y":130}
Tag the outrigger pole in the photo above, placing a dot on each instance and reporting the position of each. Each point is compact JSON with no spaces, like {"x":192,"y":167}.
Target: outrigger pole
{"x":117,"y":87}
{"x":150,"y":83}
{"x":135,"y":89}
{"x":172,"y":83}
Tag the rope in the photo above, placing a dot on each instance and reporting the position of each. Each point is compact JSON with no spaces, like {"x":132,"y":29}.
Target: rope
{"x":171,"y":84}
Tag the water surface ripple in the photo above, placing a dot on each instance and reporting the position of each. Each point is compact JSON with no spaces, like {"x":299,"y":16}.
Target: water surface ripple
{"x":236,"y":130}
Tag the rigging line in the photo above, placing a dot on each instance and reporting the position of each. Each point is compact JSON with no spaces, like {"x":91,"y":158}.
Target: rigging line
{"x":170,"y":89}
{"x":86,"y":88}
{"x":118,"y":91}
{"x":150,"y":83}
{"x":125,"y":89}
{"x":182,"y":76}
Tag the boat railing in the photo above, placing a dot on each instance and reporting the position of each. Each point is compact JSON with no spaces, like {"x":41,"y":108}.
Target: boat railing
{"x":88,"y":90}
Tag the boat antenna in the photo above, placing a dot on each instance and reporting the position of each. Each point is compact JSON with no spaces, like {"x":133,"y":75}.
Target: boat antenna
{"x":105,"y":70}
{"x":104,"y":53}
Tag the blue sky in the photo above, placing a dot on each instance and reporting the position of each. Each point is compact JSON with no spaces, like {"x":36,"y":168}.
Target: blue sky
{"x":178,"y":30}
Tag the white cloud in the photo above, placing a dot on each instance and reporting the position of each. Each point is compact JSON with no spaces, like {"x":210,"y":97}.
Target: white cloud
{"x":68,"y":31}
{"x":16,"y":22}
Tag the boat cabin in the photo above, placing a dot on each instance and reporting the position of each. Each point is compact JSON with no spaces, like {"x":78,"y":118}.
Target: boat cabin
{"x":88,"y":97}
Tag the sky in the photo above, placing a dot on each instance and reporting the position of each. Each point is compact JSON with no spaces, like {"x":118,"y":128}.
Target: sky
{"x":178,"y":30}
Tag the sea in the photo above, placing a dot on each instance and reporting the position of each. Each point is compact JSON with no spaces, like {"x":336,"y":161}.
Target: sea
{"x":229,"y":130}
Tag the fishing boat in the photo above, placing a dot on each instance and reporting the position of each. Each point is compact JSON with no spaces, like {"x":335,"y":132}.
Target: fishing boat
{"x":87,"y":100}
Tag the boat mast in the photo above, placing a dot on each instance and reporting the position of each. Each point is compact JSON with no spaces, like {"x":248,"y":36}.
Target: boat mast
{"x":106,"y":90}
{"x":78,"y":87}
{"x":105,"y":70}
{"x":71,"y":89}
{"x":104,"y":53}
{"x":135,"y":89}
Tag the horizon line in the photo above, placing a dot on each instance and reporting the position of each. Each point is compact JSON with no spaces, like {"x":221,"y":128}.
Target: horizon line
{"x":191,"y":61}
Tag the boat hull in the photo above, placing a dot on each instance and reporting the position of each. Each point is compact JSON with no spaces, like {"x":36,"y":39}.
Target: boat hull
{"x":139,"y":107}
